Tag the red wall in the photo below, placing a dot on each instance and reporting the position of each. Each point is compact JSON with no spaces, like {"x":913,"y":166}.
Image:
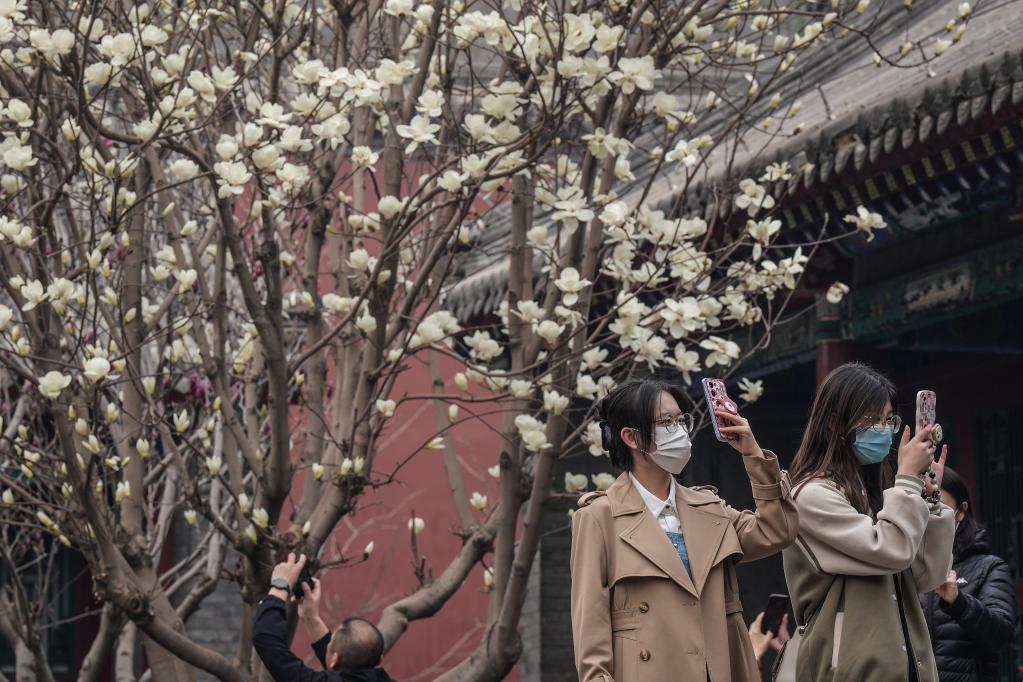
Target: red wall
{"x":436,"y":644}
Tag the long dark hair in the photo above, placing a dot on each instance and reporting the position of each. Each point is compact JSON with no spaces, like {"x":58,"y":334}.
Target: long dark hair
{"x":633,"y":405}
{"x":847,"y":395}
{"x":966,"y":532}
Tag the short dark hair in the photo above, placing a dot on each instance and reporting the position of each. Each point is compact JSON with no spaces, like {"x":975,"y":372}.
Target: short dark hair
{"x":966,"y":531}
{"x":359,"y":644}
{"x":633,"y":405}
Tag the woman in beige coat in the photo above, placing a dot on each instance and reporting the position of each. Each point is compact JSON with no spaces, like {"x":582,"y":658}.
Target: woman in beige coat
{"x":654,"y":591}
{"x":870,"y":538}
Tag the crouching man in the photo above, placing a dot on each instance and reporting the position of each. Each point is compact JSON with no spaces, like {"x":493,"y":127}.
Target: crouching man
{"x":351,"y":654}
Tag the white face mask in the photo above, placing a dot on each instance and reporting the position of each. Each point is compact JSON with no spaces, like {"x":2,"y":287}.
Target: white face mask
{"x":673,"y":449}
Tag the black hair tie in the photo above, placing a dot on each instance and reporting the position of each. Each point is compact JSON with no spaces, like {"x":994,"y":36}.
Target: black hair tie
{"x":605,"y":435}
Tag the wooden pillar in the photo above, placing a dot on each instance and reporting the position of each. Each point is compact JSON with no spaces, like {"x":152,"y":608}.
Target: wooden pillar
{"x":832,"y":350}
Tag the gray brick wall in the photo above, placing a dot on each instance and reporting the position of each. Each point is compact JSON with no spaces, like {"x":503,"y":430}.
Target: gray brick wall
{"x":216,"y":624}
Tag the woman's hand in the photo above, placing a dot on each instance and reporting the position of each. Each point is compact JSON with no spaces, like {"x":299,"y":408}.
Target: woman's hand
{"x":739,"y":434}
{"x":916,"y":453}
{"x":939,"y":472}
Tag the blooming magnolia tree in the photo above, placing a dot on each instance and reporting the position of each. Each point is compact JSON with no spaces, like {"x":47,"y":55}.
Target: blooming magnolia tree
{"x":228,"y":227}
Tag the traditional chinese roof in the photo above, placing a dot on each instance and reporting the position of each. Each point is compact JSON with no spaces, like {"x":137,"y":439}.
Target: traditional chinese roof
{"x":867,"y":132}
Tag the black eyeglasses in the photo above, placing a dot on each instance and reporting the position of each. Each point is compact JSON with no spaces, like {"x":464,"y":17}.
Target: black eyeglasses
{"x":672,"y":423}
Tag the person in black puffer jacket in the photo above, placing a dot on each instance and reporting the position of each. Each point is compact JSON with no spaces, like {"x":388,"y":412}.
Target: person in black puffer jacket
{"x":972,"y":617}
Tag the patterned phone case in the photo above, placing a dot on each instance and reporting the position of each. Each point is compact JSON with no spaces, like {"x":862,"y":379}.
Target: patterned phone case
{"x":926,"y":408}
{"x":717,"y":399}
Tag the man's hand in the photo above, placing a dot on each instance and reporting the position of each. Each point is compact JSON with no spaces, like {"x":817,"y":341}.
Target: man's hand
{"x":309,"y":611}
{"x":949,"y":590}
{"x":289,"y":571}
{"x":309,"y":604}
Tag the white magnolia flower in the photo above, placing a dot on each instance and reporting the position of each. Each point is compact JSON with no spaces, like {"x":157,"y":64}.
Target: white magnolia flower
{"x":96,"y":369}
{"x":575,"y":483}
{"x":386,"y":407}
{"x":6,"y":314}
{"x":751,"y":390}
{"x":419,"y":131}
{"x":8,"y":497}
{"x":721,"y":351}
{"x":494,"y":471}
{"x":251,"y":533}
{"x":836,"y":292}
{"x":634,"y":73}
{"x":33,"y":293}
{"x":244,"y":503}
{"x":554,"y":402}
{"x":368,"y":550}
{"x":753,"y":197}
{"x":416,"y":525}
{"x":182,"y":421}
{"x":592,"y":437}
{"x":570,"y":283}
{"x":866,"y":221}
{"x":603,"y":481}
{"x":965,"y":10}
{"x":232,"y":176}
{"x":482,"y":347}
{"x":940,"y":45}
{"x":478,"y":501}
{"x":191,"y":517}
{"x":52,"y":383}
{"x":317,"y":470}
{"x":346,"y":466}
{"x":549,"y":331}
{"x":533,"y":433}
{"x":452,"y":414}
{"x":364,"y":157}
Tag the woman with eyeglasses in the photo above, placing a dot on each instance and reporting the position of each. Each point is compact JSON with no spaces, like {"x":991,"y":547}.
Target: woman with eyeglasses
{"x":654,"y":590}
{"x":871,"y":535}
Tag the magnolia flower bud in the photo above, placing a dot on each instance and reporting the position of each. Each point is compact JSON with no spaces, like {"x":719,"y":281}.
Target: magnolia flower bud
{"x":8,"y":497}
{"x":307,"y":528}
{"x":416,"y":525}
{"x":478,"y":501}
{"x":368,"y":550}
{"x":261,"y":518}
{"x":250,"y":533}
{"x":317,"y":470}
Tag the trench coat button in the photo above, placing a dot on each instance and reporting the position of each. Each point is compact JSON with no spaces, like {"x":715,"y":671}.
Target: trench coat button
{"x":644,"y":655}
{"x":644,"y":607}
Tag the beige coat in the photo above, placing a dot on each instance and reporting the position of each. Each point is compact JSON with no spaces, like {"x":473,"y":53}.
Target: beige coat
{"x":854,"y":579}
{"x":637,"y":615}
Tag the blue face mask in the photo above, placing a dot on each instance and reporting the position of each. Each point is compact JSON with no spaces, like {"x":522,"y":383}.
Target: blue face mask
{"x":872,"y":446}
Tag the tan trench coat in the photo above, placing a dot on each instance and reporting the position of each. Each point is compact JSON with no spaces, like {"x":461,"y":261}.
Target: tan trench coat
{"x":637,"y":615}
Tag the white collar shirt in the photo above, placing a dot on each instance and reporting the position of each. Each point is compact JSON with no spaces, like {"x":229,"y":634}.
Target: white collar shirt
{"x":664,"y":511}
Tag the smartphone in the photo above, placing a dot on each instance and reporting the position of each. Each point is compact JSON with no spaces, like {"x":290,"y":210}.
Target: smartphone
{"x":774,"y":612}
{"x":717,"y":399}
{"x":926,"y":404}
{"x":303,"y":578}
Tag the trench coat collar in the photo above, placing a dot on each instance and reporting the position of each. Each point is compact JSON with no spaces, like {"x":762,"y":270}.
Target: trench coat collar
{"x":703,"y":529}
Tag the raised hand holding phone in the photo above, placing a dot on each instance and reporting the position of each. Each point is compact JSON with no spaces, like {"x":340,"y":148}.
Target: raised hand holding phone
{"x":718,"y":401}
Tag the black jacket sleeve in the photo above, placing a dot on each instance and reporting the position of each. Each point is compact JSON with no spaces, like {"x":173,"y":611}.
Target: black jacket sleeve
{"x":989,"y":619}
{"x":320,"y":649}
{"x":270,"y":639}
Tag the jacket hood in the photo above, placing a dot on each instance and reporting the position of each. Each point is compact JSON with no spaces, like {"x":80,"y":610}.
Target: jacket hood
{"x":373,"y":675}
{"x":979,"y":544}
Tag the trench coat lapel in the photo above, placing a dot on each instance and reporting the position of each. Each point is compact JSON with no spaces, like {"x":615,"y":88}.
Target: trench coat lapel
{"x":703,"y":531}
{"x":641,"y":531}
